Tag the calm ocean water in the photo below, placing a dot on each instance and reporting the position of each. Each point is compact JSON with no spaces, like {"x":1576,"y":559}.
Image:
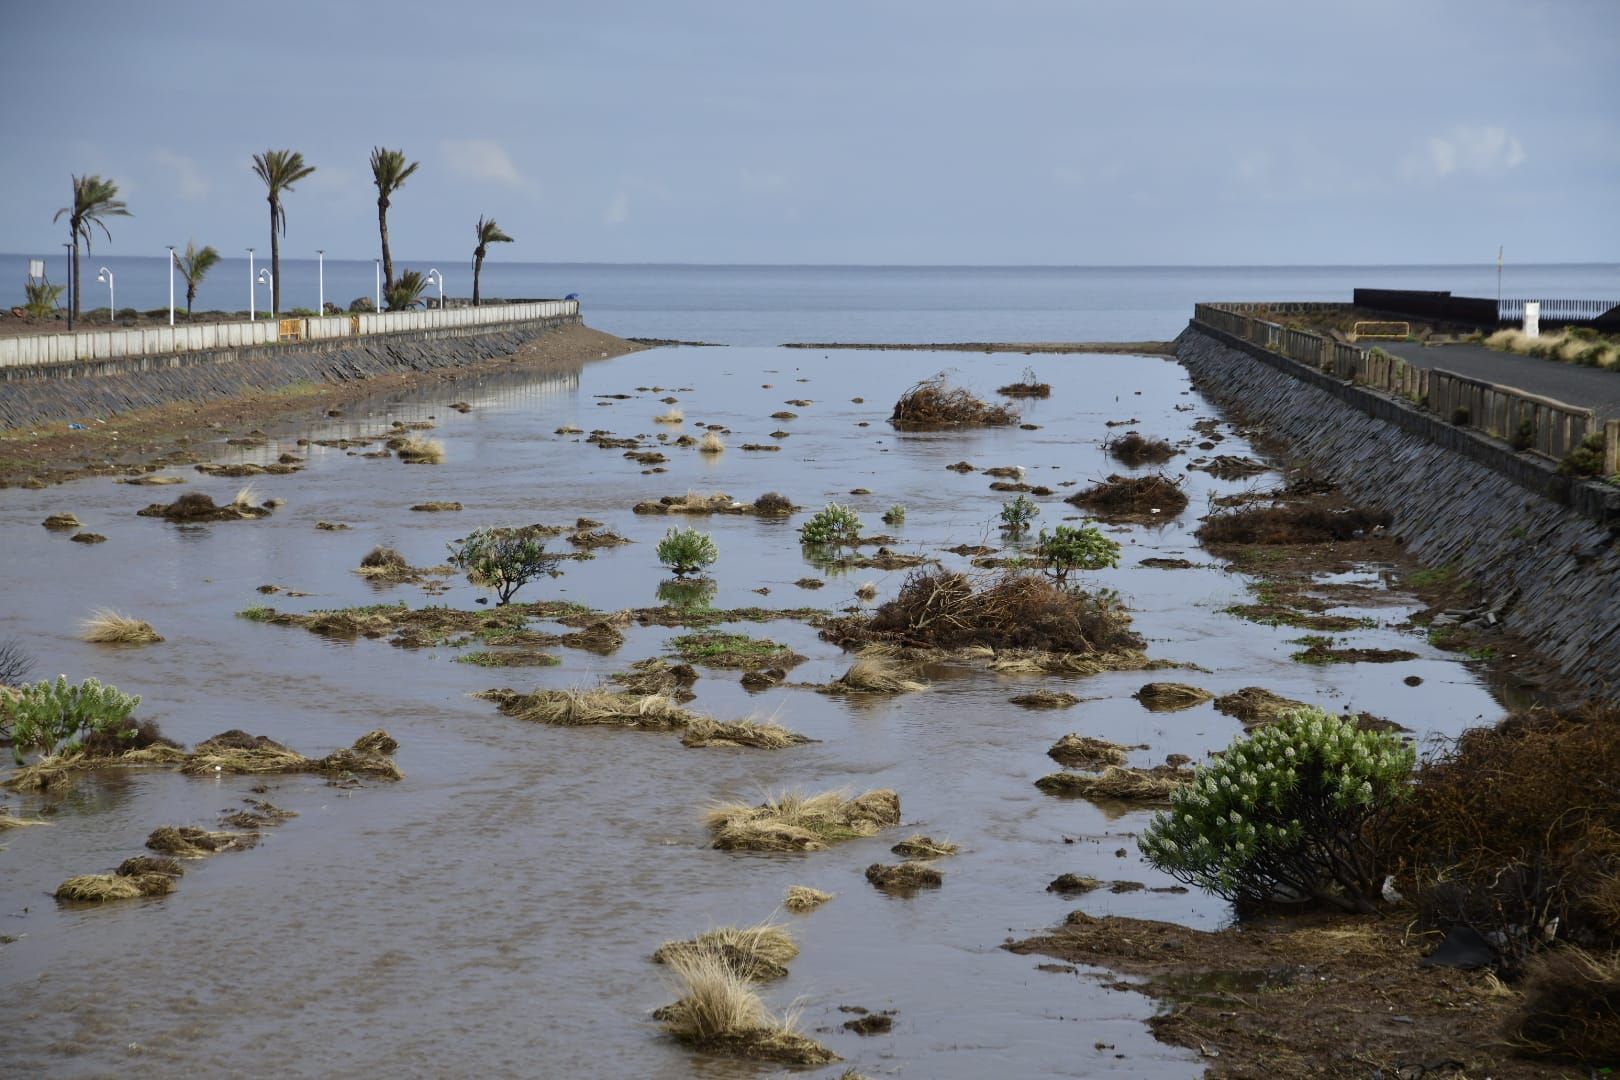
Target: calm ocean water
{"x":769,"y":305}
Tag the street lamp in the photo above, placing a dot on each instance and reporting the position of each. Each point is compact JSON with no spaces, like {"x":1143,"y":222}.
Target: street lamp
{"x":171,"y":284}
{"x":268,"y":280}
{"x":379,"y":283}
{"x":436,"y":278}
{"x":252,"y":312}
{"x":105,"y":276}
{"x":320,"y":254}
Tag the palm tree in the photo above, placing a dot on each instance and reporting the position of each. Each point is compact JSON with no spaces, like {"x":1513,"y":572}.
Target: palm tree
{"x":280,"y":170}
{"x":389,"y":171}
{"x":193,"y":265}
{"x":406,"y":292}
{"x":488,"y":233}
{"x":93,"y":199}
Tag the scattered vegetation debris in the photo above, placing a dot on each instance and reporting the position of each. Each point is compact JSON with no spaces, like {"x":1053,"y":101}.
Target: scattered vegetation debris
{"x":1009,"y":472}
{"x":1170,"y":696}
{"x":331,"y":526}
{"x":190,"y":842}
{"x":1230,"y":467}
{"x":1045,"y":699}
{"x":1570,"y":1010}
{"x":762,"y":679}
{"x":967,"y":550}
{"x":655,"y":675}
{"x":100,"y":888}
{"x":1028,"y":386}
{"x":1291,"y":523}
{"x":934,"y":403}
{"x":1321,"y":650}
{"x":871,"y":1024}
{"x":151,"y":864}
{"x":153,"y":481}
{"x":876,"y":670}
{"x":718,"y":1011}
{"x":105,"y":626}
{"x":1152,"y":786}
{"x":693,"y":503}
{"x":773,"y":504}
{"x":711,"y":443}
{"x":62,"y":521}
{"x":437,"y":507}
{"x":705,"y":731}
{"x":461,"y":406}
{"x":1073,"y":884}
{"x":1132,"y":498}
{"x":810,"y":583}
{"x":802,"y":898}
{"x":197,"y":506}
{"x":733,"y":651}
{"x":792,"y":821}
{"x":961,"y":467}
{"x":580,"y":708}
{"x":519,"y":657}
{"x":1254,"y":706}
{"x":917,"y":846}
{"x":1086,"y":752}
{"x":905,"y":878}
{"x":753,"y":953}
{"x":88,"y":538}
{"x":1133,"y":449}
{"x":371,"y":755}
{"x":597,"y":538}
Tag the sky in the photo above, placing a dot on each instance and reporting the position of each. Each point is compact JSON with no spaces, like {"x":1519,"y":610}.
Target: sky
{"x":1026,"y":132}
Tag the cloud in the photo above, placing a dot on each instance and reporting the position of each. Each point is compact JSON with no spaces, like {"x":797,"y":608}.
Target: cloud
{"x":1464,"y":151}
{"x":193,"y":185}
{"x":618,"y":211}
{"x":482,"y":160}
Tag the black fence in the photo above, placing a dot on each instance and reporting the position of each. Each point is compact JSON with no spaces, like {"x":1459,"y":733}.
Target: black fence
{"x":1486,"y":314}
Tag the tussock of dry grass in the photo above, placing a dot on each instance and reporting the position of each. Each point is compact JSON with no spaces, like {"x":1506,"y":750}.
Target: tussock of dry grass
{"x":1170,"y":697}
{"x":1133,"y":449}
{"x":100,"y":888}
{"x":917,"y":846}
{"x":1133,"y":497}
{"x":705,"y":731}
{"x":421,"y":451}
{"x":1153,"y":786}
{"x":754,"y":953}
{"x":581,"y":708}
{"x":1045,"y":699}
{"x":793,"y":821}
{"x":246,"y":498}
{"x":655,"y":675}
{"x":1571,"y":1007}
{"x":673,"y":416}
{"x":711,"y":443}
{"x":1561,"y":346}
{"x":1289,"y":524}
{"x":7,"y":821}
{"x":370,"y":755}
{"x":876,"y":670}
{"x":151,"y":864}
{"x":105,"y":626}
{"x":718,"y":1011}
{"x":190,"y":842}
{"x":802,"y":898}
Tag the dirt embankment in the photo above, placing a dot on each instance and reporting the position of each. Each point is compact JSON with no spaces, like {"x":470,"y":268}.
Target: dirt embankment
{"x":133,"y":442}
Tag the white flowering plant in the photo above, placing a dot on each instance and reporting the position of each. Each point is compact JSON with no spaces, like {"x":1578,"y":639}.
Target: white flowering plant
{"x":1285,"y":813}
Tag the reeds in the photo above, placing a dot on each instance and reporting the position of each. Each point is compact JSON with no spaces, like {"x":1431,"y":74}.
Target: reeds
{"x":793,"y":821}
{"x":673,"y":416}
{"x":719,"y":1011}
{"x":417,"y":450}
{"x":802,"y":898}
{"x":711,"y":443}
{"x":104,"y":626}
{"x":754,"y":953}
{"x":705,"y":731}
{"x":876,"y":670}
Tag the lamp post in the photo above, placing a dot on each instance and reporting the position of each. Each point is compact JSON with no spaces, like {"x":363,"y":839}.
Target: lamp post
{"x":171,"y":284}
{"x":268,"y":279}
{"x":71,"y":248}
{"x":320,"y":255}
{"x":252,"y":312}
{"x":105,"y":276}
{"x":436,"y":278}
{"x":379,"y":283}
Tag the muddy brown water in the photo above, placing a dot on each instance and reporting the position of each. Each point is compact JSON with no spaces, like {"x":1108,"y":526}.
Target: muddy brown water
{"x":493,"y":913}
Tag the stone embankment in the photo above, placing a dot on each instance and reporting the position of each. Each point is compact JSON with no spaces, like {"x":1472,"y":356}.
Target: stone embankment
{"x":1544,"y":548}
{"x":86,"y":391}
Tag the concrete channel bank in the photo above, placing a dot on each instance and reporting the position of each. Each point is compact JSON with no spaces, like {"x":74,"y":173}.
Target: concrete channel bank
{"x":1456,"y":497}
{"x":85,"y":389}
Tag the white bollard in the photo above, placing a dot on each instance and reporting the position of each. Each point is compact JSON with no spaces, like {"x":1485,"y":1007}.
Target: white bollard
{"x":1532,"y":318}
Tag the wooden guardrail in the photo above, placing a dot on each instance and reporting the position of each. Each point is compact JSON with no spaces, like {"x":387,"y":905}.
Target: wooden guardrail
{"x":1541,"y":425}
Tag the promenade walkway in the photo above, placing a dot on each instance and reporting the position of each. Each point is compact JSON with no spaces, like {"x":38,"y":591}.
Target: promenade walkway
{"x":1583,"y":387}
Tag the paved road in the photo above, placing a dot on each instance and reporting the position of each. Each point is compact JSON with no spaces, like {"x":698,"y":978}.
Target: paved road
{"x":1583,"y":387}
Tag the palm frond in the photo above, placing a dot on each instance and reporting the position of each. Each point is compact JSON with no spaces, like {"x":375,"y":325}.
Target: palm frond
{"x":490,"y":233}
{"x":389,"y":170}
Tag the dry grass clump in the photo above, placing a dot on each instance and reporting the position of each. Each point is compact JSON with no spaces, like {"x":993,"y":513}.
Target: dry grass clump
{"x":1086,"y":752}
{"x":1289,"y":524}
{"x":1133,"y":449}
{"x":190,"y":842}
{"x":100,"y":888}
{"x":381,"y":562}
{"x":673,"y":416}
{"x":1152,"y":786}
{"x":1012,"y":610}
{"x":1069,"y":884}
{"x":1253,"y":706}
{"x":1132,"y":497}
{"x":711,"y":443}
{"x":754,"y":953}
{"x":437,"y":507}
{"x":1170,"y":696}
{"x":1028,"y":386}
{"x":918,"y":846}
{"x":195,"y":506}
{"x":107,"y":627}
{"x":802,"y":898}
{"x":655,"y":675}
{"x":705,"y":731}
{"x":151,"y":864}
{"x":62,"y":521}
{"x":1576,"y":345}
{"x":421,"y":451}
{"x":773,"y":503}
{"x":908,"y":877}
{"x":793,"y":821}
{"x":1044,"y":699}
{"x":586,"y":708}
{"x":934,"y":403}
{"x":370,"y":755}
{"x":876,"y":670}
{"x":693,"y":503}
{"x":1571,"y":1007}
{"x":718,"y":1011}
{"x":7,"y":821}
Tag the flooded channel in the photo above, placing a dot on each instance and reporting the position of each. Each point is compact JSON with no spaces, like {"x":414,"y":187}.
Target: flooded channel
{"x":494,"y":912}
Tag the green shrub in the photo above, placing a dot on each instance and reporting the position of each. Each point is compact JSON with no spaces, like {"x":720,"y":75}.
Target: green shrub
{"x":1068,"y":549}
{"x":1017,"y":514}
{"x":52,"y":717}
{"x":504,"y":559}
{"x":1586,"y":459}
{"x":1525,"y":437}
{"x":687,"y":551}
{"x":41,"y":297}
{"x":1285,"y":814}
{"x":831,"y":526}
{"x":895,"y":515}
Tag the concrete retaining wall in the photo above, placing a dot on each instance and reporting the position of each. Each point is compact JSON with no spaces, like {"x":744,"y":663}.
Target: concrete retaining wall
{"x":88,"y":390}
{"x":1455,"y":498}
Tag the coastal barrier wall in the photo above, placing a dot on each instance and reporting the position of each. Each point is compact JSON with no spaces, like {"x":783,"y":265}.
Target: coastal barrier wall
{"x":88,"y":391}
{"x":47,"y":349}
{"x":1544,"y":543}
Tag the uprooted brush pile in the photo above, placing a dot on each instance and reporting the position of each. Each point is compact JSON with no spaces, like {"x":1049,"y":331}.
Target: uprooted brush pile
{"x":1132,"y":498}
{"x":1028,"y":386}
{"x":1291,"y":523}
{"x":792,"y":821}
{"x":1133,"y":449}
{"x":935,"y":403}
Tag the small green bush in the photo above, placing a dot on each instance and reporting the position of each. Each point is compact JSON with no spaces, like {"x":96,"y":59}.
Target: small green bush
{"x":1525,"y":437}
{"x":504,"y":559}
{"x":52,"y":717}
{"x":831,"y":526}
{"x":1068,"y":549}
{"x":41,"y":297}
{"x":1586,"y":459}
{"x":895,"y":515}
{"x":1285,"y":813}
{"x":687,"y":551}
{"x":1017,"y":514}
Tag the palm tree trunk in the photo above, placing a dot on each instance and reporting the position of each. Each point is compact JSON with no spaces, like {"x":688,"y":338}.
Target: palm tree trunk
{"x":478,"y":268}
{"x":76,"y":307}
{"x":388,"y":259}
{"x":275,"y":262}
{"x":191,"y":294}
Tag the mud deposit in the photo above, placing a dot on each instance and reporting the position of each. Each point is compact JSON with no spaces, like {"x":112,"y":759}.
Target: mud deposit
{"x":495,"y":909}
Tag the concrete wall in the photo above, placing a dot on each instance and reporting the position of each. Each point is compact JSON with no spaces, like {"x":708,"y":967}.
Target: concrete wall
{"x":46,"y":349}
{"x":1455,"y":498}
